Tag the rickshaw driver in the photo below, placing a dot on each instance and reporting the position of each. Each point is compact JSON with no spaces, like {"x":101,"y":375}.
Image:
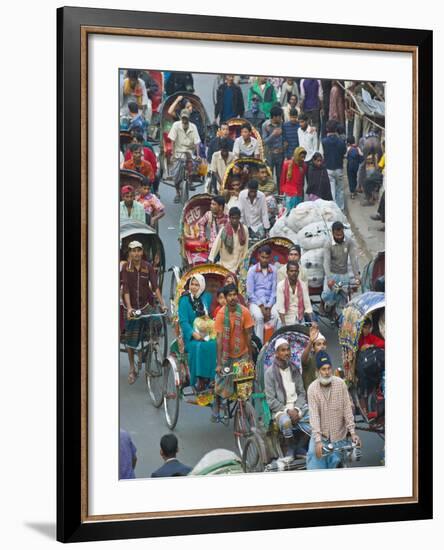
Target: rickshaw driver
{"x":285,"y":394}
{"x":139,"y":284}
{"x":331,"y":415}
{"x":186,"y":141}
{"x":336,"y":256}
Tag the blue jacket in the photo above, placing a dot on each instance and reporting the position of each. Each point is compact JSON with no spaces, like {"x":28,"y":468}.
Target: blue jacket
{"x":172,"y":468}
{"x":334,"y":151}
{"x":291,"y":136}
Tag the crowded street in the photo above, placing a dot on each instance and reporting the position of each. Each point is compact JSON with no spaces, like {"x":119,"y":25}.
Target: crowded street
{"x":199,"y":429}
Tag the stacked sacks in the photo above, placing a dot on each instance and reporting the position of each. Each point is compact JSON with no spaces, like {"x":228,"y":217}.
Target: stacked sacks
{"x":281,"y":229}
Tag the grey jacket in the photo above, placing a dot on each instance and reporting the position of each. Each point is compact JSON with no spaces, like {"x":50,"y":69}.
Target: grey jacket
{"x":275,"y":392}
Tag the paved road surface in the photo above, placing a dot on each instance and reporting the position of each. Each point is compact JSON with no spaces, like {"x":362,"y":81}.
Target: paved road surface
{"x":196,"y":434}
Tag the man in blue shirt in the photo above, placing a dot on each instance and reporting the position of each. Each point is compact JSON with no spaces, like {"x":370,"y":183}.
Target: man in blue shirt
{"x":261,"y":292}
{"x":229,"y":100}
{"x":127,"y":456}
{"x":290,"y":134}
{"x":334,"y":152}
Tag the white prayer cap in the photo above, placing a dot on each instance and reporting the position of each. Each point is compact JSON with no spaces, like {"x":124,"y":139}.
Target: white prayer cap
{"x":320,"y":337}
{"x":280,"y":342}
{"x":135,"y":244}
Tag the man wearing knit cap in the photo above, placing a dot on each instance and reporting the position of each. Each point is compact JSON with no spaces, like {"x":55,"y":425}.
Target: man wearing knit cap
{"x":285,"y":394}
{"x":331,"y":415}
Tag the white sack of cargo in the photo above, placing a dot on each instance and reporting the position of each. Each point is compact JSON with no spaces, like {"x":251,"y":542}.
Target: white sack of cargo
{"x":313,"y":263}
{"x":329,"y":211}
{"x":313,"y":235}
{"x":281,"y":229}
{"x":302,"y":215}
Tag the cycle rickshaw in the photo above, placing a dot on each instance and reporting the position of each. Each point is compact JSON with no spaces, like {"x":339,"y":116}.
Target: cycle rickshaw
{"x":193,"y":250}
{"x":195,"y":171}
{"x":367,"y":305}
{"x":373,"y":273}
{"x":234,"y":126}
{"x":177,"y":376}
{"x":154,"y":337}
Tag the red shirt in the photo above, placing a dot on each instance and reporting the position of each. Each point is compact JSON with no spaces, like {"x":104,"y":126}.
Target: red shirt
{"x":294,"y":187}
{"x":145,"y":168}
{"x":371,"y":340}
{"x":147,"y":155}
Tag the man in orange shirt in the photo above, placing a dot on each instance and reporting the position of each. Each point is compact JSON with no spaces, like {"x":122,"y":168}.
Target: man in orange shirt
{"x":137,"y":163}
{"x":233,"y":327}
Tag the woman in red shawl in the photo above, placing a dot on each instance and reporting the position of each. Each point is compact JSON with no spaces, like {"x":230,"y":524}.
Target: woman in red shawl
{"x":292,"y":178}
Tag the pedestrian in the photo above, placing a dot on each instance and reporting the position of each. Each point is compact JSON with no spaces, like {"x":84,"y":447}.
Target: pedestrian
{"x":229,"y":100}
{"x":127,"y":456}
{"x":261,"y":292}
{"x":292,"y":299}
{"x":307,"y":136}
{"x":311,"y":101}
{"x":286,"y":397}
{"x":255,"y":116}
{"x":172,"y":467}
{"x":334,"y":152}
{"x":231,"y":243}
{"x":318,"y":182}
{"x":254,"y":210}
{"x":290,"y":134}
{"x":337,"y":103}
{"x":372,"y":181}
{"x":233,"y":327}
{"x":293,"y":177}
{"x":274,"y":142}
{"x":266,"y":93}
{"x":130,"y":209}
{"x":139,"y":286}
{"x":354,"y":158}
{"x":331,"y":416}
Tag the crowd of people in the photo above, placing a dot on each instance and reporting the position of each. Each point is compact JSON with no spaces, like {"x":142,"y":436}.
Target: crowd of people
{"x":308,"y":132}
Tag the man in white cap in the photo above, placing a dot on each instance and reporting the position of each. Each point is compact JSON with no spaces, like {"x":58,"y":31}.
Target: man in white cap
{"x":317,"y":342}
{"x":139,"y":286}
{"x":186,"y":140}
{"x":285,"y":394}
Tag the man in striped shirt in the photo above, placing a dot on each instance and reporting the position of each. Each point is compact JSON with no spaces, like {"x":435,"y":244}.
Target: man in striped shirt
{"x":331,"y":415}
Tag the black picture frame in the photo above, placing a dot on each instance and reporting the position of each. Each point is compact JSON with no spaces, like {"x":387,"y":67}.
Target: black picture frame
{"x":71,"y":523}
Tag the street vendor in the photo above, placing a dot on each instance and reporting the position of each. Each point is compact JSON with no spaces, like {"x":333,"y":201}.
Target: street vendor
{"x":285,"y":394}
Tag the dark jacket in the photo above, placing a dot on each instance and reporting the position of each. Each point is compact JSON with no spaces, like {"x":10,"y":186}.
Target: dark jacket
{"x":238,"y":100}
{"x":172,"y":468}
{"x":214,"y":146}
{"x":275,"y":391}
{"x":334,"y":151}
{"x":318,"y":183}
{"x":179,"y":82}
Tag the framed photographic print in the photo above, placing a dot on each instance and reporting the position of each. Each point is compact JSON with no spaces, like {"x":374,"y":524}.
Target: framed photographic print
{"x":242,"y":224}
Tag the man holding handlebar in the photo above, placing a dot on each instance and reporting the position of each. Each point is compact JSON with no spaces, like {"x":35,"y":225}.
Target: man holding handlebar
{"x":139,"y":286}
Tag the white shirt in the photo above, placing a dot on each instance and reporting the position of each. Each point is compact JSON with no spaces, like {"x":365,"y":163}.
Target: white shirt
{"x":234,"y":201}
{"x":241,"y":149}
{"x":282,"y":273}
{"x":125,"y":99}
{"x":292,"y":315}
{"x":289,"y":387}
{"x":308,"y":139}
{"x":218,"y":165}
{"x":254,"y":214}
{"x":185,"y":141}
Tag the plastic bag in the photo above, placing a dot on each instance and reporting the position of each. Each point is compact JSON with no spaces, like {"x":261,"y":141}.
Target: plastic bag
{"x":313,"y":235}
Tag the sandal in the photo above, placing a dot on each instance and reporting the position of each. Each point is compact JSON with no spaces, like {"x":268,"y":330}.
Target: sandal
{"x":132,"y":377}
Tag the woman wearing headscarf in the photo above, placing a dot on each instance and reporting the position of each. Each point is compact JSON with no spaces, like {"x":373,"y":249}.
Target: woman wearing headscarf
{"x":200,"y":344}
{"x":292,"y":178}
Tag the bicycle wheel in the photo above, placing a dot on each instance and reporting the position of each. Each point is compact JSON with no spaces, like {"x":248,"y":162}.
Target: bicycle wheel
{"x":254,"y":457}
{"x":154,"y":378}
{"x":244,"y":422}
{"x":185,"y":190}
{"x":162,"y":348}
{"x":171,"y":397}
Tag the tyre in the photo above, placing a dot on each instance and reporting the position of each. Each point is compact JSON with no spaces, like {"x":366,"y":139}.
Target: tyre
{"x":173,"y":286}
{"x":244,"y":422}
{"x":171,"y":397}
{"x":254,"y":457}
{"x":162,"y":348}
{"x":154,"y":378}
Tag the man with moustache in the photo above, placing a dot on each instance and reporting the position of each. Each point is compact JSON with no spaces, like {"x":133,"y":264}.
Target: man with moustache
{"x":331,"y":416}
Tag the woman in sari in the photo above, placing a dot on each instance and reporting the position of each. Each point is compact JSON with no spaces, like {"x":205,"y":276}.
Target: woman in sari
{"x":200,"y":346}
